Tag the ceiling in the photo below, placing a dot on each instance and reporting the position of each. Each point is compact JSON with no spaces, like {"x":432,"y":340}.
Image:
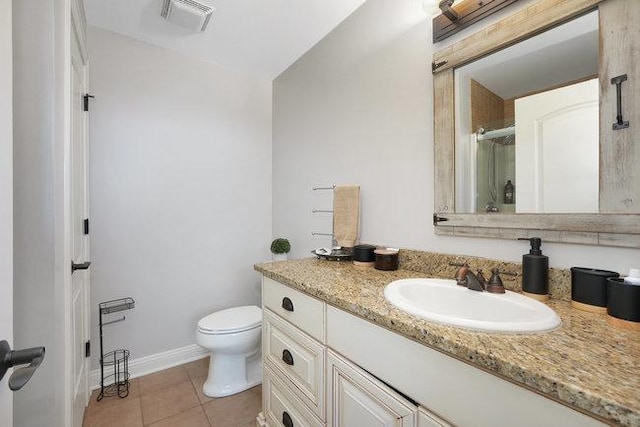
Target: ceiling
{"x":259,"y":37}
{"x":563,"y":54}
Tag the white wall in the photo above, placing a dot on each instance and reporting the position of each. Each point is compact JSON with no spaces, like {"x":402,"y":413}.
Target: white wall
{"x":358,"y":108}
{"x":180,"y":188}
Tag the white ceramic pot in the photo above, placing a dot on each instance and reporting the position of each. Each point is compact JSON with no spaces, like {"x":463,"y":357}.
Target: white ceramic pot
{"x":279,"y":257}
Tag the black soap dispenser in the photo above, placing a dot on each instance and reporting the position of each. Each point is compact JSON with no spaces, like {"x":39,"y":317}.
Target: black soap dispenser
{"x":535,"y":271}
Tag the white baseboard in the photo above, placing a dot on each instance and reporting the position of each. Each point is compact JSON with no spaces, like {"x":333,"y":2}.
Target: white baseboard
{"x":154,"y":363}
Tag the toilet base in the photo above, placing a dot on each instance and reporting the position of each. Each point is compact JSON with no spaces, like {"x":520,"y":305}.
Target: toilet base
{"x":232,"y":374}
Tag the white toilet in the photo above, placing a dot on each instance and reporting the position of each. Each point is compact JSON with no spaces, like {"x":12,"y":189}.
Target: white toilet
{"x":233,"y":338}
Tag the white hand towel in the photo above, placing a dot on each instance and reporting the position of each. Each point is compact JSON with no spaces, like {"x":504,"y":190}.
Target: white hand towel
{"x":346,"y":214}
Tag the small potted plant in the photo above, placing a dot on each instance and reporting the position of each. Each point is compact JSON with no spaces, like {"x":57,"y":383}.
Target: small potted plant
{"x":280,"y":248}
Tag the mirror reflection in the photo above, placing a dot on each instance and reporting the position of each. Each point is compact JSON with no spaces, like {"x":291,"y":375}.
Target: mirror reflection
{"x":527,"y":125}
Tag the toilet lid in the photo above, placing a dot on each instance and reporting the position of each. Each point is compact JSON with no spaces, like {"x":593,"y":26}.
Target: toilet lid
{"x":234,"y":319}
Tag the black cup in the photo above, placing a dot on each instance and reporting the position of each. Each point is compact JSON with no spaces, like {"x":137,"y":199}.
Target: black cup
{"x":364,"y":253}
{"x":623,"y":300}
{"x":589,"y":285}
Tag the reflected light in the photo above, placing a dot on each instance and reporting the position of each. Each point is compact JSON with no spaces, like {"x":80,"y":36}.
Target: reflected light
{"x":430,"y":6}
{"x":434,"y":7}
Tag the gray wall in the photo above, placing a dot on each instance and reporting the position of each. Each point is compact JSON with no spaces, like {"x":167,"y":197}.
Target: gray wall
{"x":180,"y":188}
{"x":358,"y":108}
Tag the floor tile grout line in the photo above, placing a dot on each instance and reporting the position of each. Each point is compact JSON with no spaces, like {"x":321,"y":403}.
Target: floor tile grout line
{"x":206,"y":416}
{"x":159,"y":373}
{"x":172,"y":415}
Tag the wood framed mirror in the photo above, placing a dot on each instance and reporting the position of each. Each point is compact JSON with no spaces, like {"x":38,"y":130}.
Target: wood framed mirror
{"x":617,"y":220}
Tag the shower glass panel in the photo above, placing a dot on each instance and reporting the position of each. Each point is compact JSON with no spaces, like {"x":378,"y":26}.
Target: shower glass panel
{"x":495,"y":166}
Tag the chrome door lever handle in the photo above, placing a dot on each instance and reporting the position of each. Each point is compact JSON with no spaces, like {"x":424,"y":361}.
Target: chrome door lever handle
{"x":81,"y":266}
{"x":10,"y":358}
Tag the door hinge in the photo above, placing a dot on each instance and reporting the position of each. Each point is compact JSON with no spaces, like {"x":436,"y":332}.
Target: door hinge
{"x":435,"y":65}
{"x":86,"y":226}
{"x":437,"y":219}
{"x":87,"y":349}
{"x":86,"y":101}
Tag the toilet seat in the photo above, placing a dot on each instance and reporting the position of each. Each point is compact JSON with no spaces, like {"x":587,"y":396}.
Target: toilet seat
{"x":231,"y":320}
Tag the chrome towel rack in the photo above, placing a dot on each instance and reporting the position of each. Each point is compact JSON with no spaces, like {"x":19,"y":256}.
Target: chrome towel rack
{"x":315,"y":233}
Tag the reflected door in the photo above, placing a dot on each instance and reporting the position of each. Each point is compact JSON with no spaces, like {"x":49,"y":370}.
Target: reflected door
{"x":557,"y":150}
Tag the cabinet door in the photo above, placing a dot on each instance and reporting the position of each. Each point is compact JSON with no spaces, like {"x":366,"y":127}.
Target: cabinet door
{"x":427,"y":419}
{"x":357,"y":399}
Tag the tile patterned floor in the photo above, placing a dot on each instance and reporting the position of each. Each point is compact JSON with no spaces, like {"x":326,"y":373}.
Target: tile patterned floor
{"x":174,"y":398}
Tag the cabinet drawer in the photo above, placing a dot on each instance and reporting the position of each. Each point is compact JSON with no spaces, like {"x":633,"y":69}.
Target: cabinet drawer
{"x":281,"y":404}
{"x":305,"y":312}
{"x":298,"y":359}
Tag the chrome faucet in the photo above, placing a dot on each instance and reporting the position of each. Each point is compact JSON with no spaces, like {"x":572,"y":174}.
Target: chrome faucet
{"x":476,"y":282}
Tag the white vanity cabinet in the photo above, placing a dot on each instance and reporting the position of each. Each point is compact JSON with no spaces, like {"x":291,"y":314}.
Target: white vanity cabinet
{"x":326,"y":367}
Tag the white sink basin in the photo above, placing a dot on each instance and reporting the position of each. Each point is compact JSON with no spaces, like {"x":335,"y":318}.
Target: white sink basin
{"x":443,"y":301}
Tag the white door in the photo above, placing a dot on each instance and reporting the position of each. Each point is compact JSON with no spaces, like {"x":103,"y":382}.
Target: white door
{"x":79,"y":240}
{"x":557,"y":140}
{"x":356,"y":399}
{"x":6,"y":199}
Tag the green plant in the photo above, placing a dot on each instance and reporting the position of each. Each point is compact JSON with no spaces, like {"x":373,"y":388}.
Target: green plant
{"x":280,"y":246}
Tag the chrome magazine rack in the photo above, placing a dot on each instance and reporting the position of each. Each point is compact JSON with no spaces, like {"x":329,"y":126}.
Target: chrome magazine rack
{"x":114,"y":365}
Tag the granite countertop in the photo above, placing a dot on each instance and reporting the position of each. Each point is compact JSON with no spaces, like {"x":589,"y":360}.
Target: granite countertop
{"x":586,"y":363}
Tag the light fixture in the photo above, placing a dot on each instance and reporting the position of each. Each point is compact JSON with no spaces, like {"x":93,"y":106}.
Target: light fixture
{"x":468,"y":12}
{"x":445,"y":7}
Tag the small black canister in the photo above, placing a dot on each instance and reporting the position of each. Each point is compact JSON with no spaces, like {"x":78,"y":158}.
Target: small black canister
{"x":386,"y":259}
{"x":589,"y":288}
{"x":623,"y":305}
{"x":363,"y":255}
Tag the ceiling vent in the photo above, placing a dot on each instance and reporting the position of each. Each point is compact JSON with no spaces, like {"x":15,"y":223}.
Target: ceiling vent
{"x":187,"y":13}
